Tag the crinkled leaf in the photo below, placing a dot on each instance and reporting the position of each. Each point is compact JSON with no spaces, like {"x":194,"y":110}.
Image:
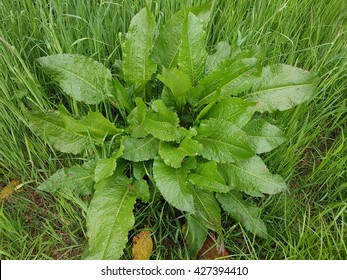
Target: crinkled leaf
{"x":196,"y":235}
{"x":223,"y":141}
{"x":163,"y":123}
{"x":207,"y":177}
{"x":264,"y":136}
{"x":167,"y":44}
{"x":173,"y":185}
{"x":232,"y":109}
{"x":232,"y":77}
{"x":178,"y":82}
{"x":222,"y":52}
{"x":252,"y":177}
{"x":207,"y":210}
{"x":192,"y":54}
{"x":165,"y":50}
{"x":69,"y":135}
{"x":78,"y":179}
{"x":244,"y":212}
{"x":136,"y":119}
{"x":109,"y":218}
{"x":281,"y":87}
{"x":94,"y":125}
{"x":80,"y":77}
{"x":138,"y":66}
{"x":140,"y":149}
{"x":52,"y":128}
{"x":174,"y":156}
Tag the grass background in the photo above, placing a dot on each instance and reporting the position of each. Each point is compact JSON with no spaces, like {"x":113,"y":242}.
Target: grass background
{"x":309,"y":221}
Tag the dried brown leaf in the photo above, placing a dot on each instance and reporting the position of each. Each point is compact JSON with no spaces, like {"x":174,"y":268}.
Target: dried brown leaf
{"x":213,"y":249}
{"x":8,"y":190}
{"x":142,"y":245}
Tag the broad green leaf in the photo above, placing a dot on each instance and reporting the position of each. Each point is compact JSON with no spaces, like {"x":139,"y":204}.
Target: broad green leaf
{"x":223,"y":51}
{"x":78,"y":179}
{"x":178,"y":82}
{"x":172,"y":184}
{"x":174,"y":156}
{"x":192,"y":54}
{"x":207,"y":210}
{"x":69,"y":135}
{"x":138,"y":66}
{"x":167,"y":44}
{"x":207,"y":177}
{"x":94,"y":125}
{"x":163,"y":123}
{"x":140,"y":149}
{"x":80,"y":77}
{"x":232,"y":77}
{"x":104,"y":168}
{"x":110,"y":218}
{"x":252,"y":177}
{"x":232,"y":109}
{"x":281,"y":87}
{"x":196,"y":235}
{"x":136,"y":119}
{"x":51,"y":126}
{"x":223,"y":141}
{"x":244,"y":212}
{"x":264,"y":136}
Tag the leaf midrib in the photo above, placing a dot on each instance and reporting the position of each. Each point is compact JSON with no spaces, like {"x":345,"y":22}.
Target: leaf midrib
{"x":78,"y":77}
{"x":236,"y":199}
{"x":224,"y":82}
{"x":141,"y":146}
{"x":72,"y":179}
{"x":225,"y":143}
{"x":218,"y":229}
{"x":277,"y":88}
{"x":254,"y":175}
{"x":115,"y":221}
{"x":62,"y":128}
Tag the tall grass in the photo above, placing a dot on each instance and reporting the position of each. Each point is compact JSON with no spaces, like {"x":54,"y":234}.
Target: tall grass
{"x":307,"y":222}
